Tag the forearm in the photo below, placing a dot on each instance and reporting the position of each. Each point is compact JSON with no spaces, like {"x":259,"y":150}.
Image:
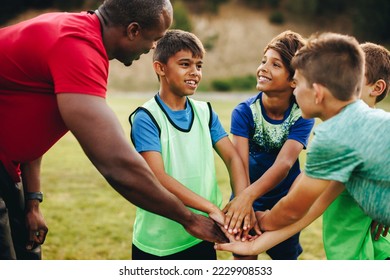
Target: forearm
{"x":281,"y":215}
{"x":134,"y":180}
{"x":270,"y":239}
{"x":31,"y":172}
{"x":239,"y":179}
{"x":269,"y":180}
{"x":102,"y":138}
{"x":186,"y":195}
{"x":31,"y":175}
{"x":308,"y":194}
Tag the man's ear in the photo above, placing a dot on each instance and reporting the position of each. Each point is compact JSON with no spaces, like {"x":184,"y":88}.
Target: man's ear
{"x":319,"y":93}
{"x":159,"y":68}
{"x":378,"y":88}
{"x":133,"y":30}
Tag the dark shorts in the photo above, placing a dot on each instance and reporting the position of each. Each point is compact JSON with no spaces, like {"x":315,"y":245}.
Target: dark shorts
{"x":13,"y":232}
{"x":202,"y":251}
{"x":289,"y":249}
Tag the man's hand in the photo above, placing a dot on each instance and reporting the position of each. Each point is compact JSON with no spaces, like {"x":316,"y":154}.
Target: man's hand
{"x":35,"y":224}
{"x":206,"y":229}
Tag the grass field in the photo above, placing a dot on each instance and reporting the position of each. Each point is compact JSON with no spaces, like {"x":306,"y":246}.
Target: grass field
{"x":88,"y":220}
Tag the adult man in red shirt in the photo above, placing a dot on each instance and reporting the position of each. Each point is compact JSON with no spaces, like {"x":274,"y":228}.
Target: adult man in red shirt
{"x":53,"y":78}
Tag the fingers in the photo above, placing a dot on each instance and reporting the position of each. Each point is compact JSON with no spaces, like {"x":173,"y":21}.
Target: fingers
{"x":247,"y":224}
{"x":230,"y":219}
{"x":379,"y":229}
{"x":218,"y":217}
{"x":221,"y":237}
{"x":257,"y":229}
{"x":234,"y":223}
{"x":33,"y":239}
{"x":36,"y":237}
{"x":374,"y":224}
{"x":227,"y":234}
{"x":378,"y":232}
{"x":386,"y":231}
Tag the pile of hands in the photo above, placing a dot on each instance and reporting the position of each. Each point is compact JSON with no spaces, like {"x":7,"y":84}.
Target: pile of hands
{"x":240,"y":224}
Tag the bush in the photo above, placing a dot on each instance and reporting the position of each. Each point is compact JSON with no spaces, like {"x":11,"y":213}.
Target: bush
{"x":244,"y":83}
{"x":221,"y":85}
{"x":181,"y":19}
{"x":202,"y":6}
{"x":276,"y":17}
{"x":210,"y":41}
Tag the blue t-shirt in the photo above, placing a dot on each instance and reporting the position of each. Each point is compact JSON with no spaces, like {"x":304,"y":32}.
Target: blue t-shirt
{"x":147,"y":134}
{"x":266,"y":138}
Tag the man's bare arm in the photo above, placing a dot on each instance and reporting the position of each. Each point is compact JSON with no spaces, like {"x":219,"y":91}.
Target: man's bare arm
{"x":101,"y":136}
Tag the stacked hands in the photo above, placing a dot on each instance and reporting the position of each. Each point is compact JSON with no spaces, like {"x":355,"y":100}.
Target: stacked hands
{"x":242,"y":225}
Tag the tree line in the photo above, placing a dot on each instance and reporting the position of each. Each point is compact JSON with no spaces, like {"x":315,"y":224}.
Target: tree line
{"x":369,"y":17}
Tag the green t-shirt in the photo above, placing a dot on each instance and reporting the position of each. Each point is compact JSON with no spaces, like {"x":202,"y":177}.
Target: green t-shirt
{"x":347,"y":233}
{"x":353,"y":148}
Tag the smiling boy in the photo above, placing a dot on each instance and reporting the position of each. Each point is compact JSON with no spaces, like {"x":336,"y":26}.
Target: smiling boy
{"x":176,"y":135}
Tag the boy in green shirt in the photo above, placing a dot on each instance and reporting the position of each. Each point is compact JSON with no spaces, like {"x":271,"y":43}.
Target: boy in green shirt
{"x":356,"y":236}
{"x":176,"y":136}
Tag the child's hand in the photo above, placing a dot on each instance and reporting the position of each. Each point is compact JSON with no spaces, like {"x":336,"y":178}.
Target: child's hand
{"x":379,"y":229}
{"x":238,"y":214}
{"x":236,"y":246}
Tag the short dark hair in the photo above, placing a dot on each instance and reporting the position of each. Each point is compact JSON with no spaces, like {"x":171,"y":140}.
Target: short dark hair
{"x":333,"y":60}
{"x":174,"y":41}
{"x":145,"y":12}
{"x":286,"y":44}
{"x":377,"y":66}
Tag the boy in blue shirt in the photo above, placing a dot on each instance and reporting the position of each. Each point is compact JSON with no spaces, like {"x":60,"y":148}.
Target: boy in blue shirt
{"x":269,"y":134}
{"x":176,"y":135}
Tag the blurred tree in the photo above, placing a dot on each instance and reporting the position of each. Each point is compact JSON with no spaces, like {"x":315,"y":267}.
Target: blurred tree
{"x":181,"y":18}
{"x":371,"y":20}
{"x":11,"y":8}
{"x":202,"y":6}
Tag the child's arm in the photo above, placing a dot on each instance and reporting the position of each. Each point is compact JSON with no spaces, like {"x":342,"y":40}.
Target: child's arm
{"x":188,"y":197}
{"x":239,"y":180}
{"x":297,"y":202}
{"x":272,"y":177}
{"x":271,"y":238}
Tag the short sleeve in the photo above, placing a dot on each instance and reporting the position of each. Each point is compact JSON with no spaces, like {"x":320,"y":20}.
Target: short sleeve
{"x":301,"y":130}
{"x":329,"y":160}
{"x":145,"y":133}
{"x":84,"y":68}
{"x":217,"y":131}
{"x":242,"y":121}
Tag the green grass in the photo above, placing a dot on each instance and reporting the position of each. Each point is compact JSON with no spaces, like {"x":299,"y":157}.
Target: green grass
{"x":87,"y":219}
